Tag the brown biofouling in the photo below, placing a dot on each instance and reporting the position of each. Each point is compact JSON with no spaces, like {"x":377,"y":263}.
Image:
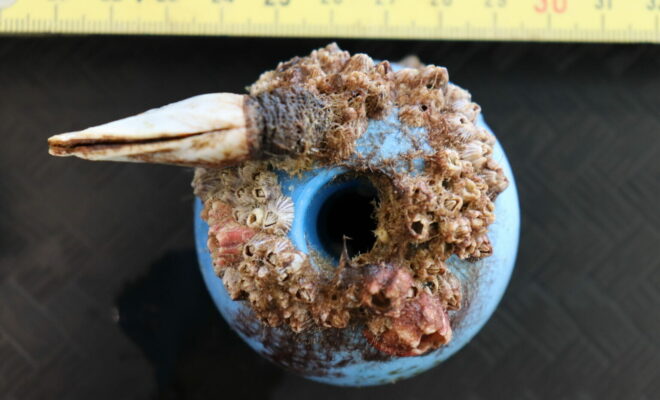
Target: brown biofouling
{"x":308,"y":113}
{"x":401,"y":289}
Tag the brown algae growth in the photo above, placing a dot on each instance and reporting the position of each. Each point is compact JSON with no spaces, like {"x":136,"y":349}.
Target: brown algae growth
{"x":308,"y":113}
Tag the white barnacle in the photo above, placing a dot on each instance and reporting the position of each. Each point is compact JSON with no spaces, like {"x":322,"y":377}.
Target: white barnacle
{"x":243,"y":196}
{"x":241,"y":214}
{"x":248,"y":171}
{"x":360,"y":63}
{"x":260,"y":194}
{"x":467,"y":108}
{"x":475,"y":152}
{"x":296,"y":264}
{"x":453,"y":166}
{"x":262,"y":272}
{"x":460,"y":127}
{"x":255,"y":218}
{"x":420,"y":226}
{"x":279,"y":215}
{"x":456,"y":93}
{"x":265,"y":179}
{"x":451,"y":203}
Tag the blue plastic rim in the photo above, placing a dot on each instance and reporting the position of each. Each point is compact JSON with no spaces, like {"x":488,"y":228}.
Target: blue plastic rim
{"x":313,"y":194}
{"x":488,"y":280}
{"x":484,"y":281}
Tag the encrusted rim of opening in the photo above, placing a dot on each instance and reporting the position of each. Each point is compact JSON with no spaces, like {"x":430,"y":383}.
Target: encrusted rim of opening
{"x":401,"y":290}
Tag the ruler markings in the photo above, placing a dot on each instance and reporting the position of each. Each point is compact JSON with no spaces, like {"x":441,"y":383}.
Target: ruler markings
{"x":426,"y":19}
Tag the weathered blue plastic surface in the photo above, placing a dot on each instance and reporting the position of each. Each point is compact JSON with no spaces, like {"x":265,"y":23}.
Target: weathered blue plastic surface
{"x":382,"y":141}
{"x":347,"y":361}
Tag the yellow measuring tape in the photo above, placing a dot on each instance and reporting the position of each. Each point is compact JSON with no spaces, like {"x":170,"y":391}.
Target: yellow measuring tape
{"x":556,"y":20}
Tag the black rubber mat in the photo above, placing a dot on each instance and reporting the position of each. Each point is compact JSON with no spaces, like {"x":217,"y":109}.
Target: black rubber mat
{"x":100,"y":296}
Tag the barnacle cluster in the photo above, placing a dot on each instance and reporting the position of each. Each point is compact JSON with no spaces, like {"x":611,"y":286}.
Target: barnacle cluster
{"x":248,"y":219}
{"x":401,"y":289}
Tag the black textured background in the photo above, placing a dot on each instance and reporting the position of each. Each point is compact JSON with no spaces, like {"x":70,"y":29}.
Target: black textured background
{"x":100,"y":296}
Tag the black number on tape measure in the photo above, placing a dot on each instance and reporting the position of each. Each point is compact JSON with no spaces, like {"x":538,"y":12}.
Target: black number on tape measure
{"x":277,"y":2}
{"x":446,"y":3}
{"x":495,"y":3}
{"x":603,"y":5}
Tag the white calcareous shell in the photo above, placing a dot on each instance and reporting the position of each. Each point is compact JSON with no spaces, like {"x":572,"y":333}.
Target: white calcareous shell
{"x":205,"y":130}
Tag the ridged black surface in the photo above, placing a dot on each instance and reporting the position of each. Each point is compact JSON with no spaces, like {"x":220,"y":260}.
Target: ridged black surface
{"x":100,"y":296}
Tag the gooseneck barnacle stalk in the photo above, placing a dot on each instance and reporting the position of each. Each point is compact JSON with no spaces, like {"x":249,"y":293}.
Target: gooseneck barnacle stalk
{"x":408,"y":134}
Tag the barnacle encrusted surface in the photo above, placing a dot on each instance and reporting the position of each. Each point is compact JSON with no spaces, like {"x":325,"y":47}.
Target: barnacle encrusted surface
{"x":401,"y":290}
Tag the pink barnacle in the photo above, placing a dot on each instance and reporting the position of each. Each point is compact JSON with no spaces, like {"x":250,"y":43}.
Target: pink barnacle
{"x":233,"y":236}
{"x":423,"y":325}
{"x":230,"y":236}
{"x":385,"y":289}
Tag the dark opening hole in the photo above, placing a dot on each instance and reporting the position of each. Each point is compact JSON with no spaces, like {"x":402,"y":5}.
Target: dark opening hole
{"x":379,"y":300}
{"x":417,"y":227}
{"x":248,"y":251}
{"x":430,"y":340}
{"x":424,"y":107}
{"x":434,"y":228}
{"x":348,"y":212}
